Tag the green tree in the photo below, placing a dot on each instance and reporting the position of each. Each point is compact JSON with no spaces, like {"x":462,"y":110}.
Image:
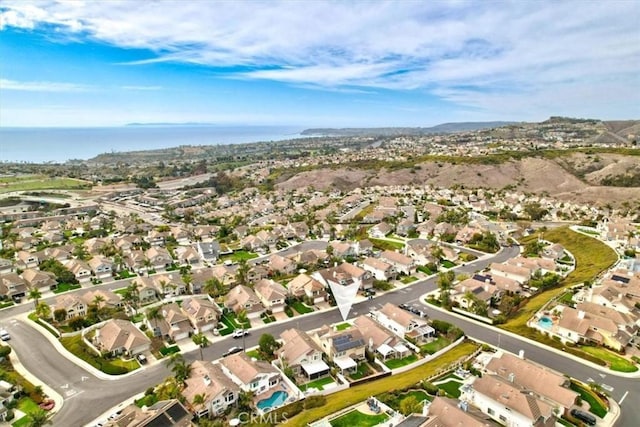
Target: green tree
{"x":201,"y":341}
{"x":268,"y":345}
{"x":43,"y":310}
{"x":181,"y":370}
{"x":35,"y":295}
{"x":38,"y":418}
{"x":60,"y":315}
{"x":154,"y":314}
{"x":410,"y":405}
{"x":214,"y":287}
{"x":242,"y":273}
{"x":445,"y":283}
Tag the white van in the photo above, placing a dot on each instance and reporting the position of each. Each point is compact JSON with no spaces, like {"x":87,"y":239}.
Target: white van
{"x":4,"y":335}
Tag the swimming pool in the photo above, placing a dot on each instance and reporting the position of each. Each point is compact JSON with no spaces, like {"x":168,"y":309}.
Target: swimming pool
{"x":545,"y":322}
{"x":276,"y":399}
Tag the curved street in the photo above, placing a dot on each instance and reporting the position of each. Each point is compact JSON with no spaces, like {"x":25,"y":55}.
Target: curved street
{"x":86,"y":396}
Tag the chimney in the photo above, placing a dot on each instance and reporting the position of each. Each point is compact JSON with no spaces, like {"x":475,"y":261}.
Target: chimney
{"x":512,"y":377}
{"x":581,"y":314}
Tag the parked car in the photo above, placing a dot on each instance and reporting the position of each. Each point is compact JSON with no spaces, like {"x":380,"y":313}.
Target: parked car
{"x":4,"y":335}
{"x":239,"y":333}
{"x":142,"y":359}
{"x":232,"y":350}
{"x":404,"y":306}
{"x":585,"y":417}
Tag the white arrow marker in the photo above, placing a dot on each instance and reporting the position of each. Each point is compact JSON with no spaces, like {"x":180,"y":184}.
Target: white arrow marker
{"x":84,"y":378}
{"x":64,"y":386}
{"x":345,"y":296}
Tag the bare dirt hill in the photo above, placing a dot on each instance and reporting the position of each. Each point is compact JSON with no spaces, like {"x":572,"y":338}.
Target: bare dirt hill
{"x":574,"y":177}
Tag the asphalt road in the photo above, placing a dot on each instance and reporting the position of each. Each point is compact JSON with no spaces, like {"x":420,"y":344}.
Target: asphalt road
{"x":87,"y":396}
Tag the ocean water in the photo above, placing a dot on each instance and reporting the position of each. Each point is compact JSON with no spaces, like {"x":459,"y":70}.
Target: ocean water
{"x":40,"y":145}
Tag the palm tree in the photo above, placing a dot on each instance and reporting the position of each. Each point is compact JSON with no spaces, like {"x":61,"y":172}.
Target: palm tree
{"x":43,"y":310}
{"x":97,"y":300}
{"x":199,"y":399}
{"x":147,"y":264}
{"x":214,"y":287}
{"x":181,"y":370}
{"x":131,"y":295}
{"x":155,"y":314}
{"x":201,"y":341}
{"x":163,"y":286}
{"x":35,"y":295}
{"x":242,"y":272}
{"x":38,"y":418}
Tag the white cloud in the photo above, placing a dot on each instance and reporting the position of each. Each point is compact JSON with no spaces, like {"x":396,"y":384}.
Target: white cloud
{"x":462,"y":51}
{"x":38,"y":86}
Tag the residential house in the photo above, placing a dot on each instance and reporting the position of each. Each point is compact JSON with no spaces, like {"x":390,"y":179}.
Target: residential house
{"x":342,"y":249}
{"x":159,"y":258}
{"x":302,"y":354}
{"x":281,"y":265}
{"x":405,"y":227}
{"x":148,"y":291}
{"x":519,"y":274}
{"x":203,"y":313}
{"x":43,"y":280}
{"x":73,"y":304}
{"x":596,"y":326}
{"x":106,"y":298}
{"x":165,"y":413}
{"x":470,"y":290}
{"x":421,"y":251}
{"x":6,"y":265}
{"x":170,"y":284}
{"x":102,"y":267}
{"x":121,"y":337}
{"x":157,"y":238}
{"x":554,"y":251}
{"x":344,"y":348}
{"x":95,"y":245}
{"x":403,"y":264}
{"x":255,"y":376}
{"x":242,"y":298}
{"x":380,"y":340}
{"x":379,"y":231}
{"x":80,"y":270}
{"x":344,"y":274}
{"x":208,"y":251}
{"x":186,"y":255}
{"x":137,"y":262}
{"x":272,"y":295}
{"x":364,"y":247}
{"x":445,"y":412}
{"x":181,"y":235}
{"x":258,"y":272}
{"x":547,"y":385}
{"x":542,"y":265}
{"x":225,"y":274}
{"x":403,"y":323}
{"x":207,"y":379}
{"x":12,"y":286}
{"x":26,"y":259}
{"x":310,"y":258}
{"x":306,"y":287}
{"x":379,"y":269}
{"x":504,"y":402}
{"x":173,"y":324}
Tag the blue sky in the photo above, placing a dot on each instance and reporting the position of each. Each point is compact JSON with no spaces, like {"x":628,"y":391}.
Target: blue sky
{"x":316,"y":63}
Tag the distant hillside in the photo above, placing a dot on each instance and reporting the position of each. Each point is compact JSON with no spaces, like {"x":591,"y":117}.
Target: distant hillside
{"x":389,"y":131}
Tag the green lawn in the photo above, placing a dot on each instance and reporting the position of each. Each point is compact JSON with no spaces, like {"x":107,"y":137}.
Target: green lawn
{"x":343,"y":326}
{"x":76,"y":347}
{"x":592,"y":257}
{"x":65,"y":287}
{"x":231,"y":323}
{"x":43,"y":183}
{"x":353,"y":395}
{"x":418,"y":394}
{"x":120,"y":291}
{"x":425,"y":270}
{"x":435,"y":345}
{"x":317,"y":384}
{"x":386,"y":245}
{"x":165,"y":351}
{"x":408,"y":279}
{"x":595,"y":405}
{"x":451,"y":387}
{"x":615,"y":362}
{"x":358,"y":419}
{"x":6,"y":304}
{"x":239,"y":255}
{"x":447,"y":264}
{"x":28,"y":406}
{"x":301,"y":308}
{"x":397,"y":363}
{"x":362,"y":371}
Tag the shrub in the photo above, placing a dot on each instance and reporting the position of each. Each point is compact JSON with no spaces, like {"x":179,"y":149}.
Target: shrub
{"x":314,"y":401}
{"x":429,"y":387}
{"x":5,"y":350}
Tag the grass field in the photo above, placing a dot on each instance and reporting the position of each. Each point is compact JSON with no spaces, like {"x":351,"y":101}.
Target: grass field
{"x":317,"y":384}
{"x":397,"y":363}
{"x":592,"y":258}
{"x":301,"y":308}
{"x":595,"y":405}
{"x":238,"y":256}
{"x":451,"y":387}
{"x":386,"y":245}
{"x":36,"y":182}
{"x":343,"y":326}
{"x":615,"y":362}
{"x":435,"y":345}
{"x":64,"y":287}
{"x":346,"y":398}
{"x":76,"y":347}
{"x":358,"y":419}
